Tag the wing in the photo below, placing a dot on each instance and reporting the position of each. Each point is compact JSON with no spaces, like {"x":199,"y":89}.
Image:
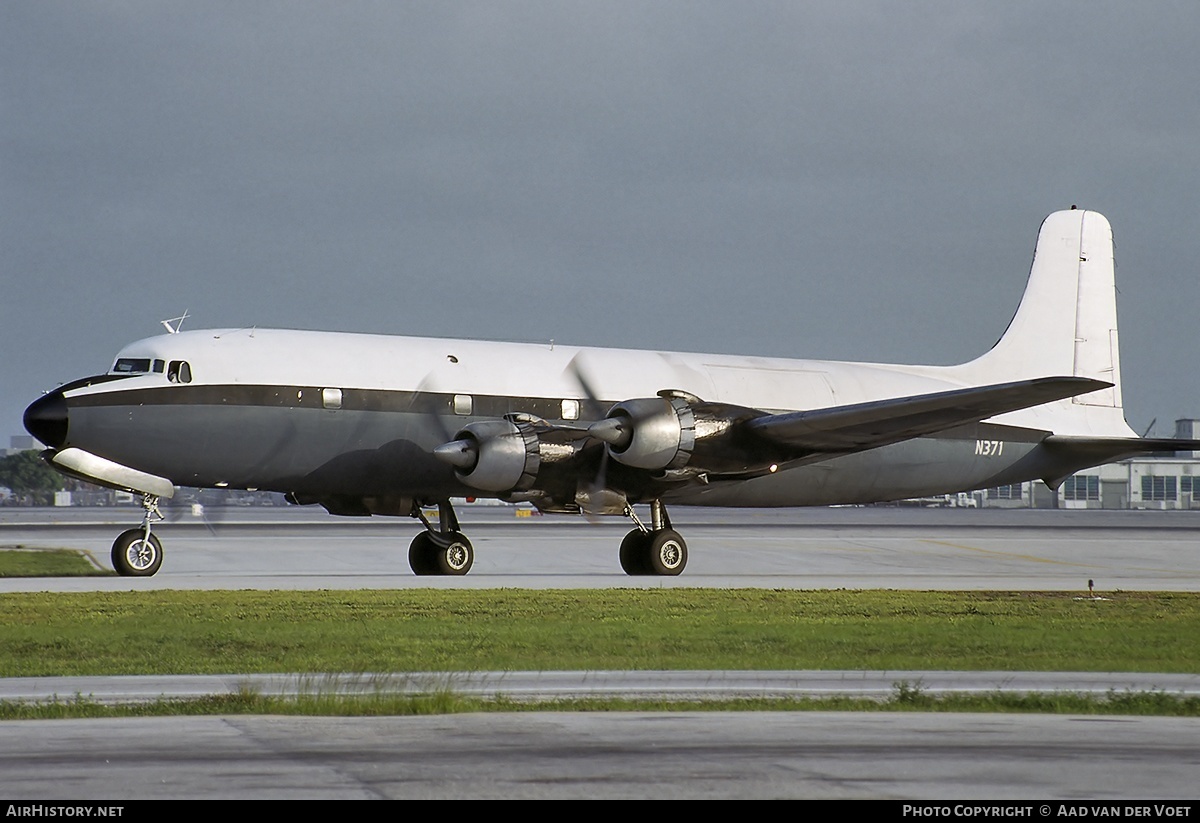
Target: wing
{"x":678,"y":438}
{"x":879,"y":423}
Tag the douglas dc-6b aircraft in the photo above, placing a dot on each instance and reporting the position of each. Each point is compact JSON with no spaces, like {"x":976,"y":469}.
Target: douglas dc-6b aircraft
{"x":372,"y":424}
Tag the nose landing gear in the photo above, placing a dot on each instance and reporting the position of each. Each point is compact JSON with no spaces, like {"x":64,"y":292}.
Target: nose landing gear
{"x":137,"y":552}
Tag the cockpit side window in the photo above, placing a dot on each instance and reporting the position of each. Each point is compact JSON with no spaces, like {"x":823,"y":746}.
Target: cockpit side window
{"x":179,"y":372}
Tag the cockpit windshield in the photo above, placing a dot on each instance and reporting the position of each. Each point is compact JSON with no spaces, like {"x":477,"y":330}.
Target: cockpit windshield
{"x":179,"y":371}
{"x":136,"y":365}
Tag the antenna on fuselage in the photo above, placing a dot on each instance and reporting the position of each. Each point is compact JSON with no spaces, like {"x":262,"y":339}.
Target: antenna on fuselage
{"x":178,"y":321}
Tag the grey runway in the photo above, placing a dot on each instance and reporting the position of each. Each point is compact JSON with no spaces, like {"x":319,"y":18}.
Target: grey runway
{"x":625,"y":755}
{"x":1029,"y":759}
{"x":855,"y":548}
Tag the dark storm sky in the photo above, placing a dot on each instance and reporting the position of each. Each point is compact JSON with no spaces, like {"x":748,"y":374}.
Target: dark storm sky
{"x":843,"y":180}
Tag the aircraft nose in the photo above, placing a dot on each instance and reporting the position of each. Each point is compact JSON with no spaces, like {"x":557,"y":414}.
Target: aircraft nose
{"x":46,"y":419}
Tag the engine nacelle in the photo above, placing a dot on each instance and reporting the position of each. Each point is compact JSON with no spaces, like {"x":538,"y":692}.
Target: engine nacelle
{"x":497,"y":455}
{"x":658,"y":433}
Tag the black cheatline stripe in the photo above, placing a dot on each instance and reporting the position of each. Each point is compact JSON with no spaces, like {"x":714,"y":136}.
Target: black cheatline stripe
{"x":439,"y":403}
{"x":310,"y":397}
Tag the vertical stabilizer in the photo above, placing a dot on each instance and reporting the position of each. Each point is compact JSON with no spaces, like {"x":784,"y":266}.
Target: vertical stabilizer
{"x":1067,"y":321}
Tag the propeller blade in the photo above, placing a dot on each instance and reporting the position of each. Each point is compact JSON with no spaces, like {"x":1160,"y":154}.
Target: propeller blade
{"x":602,"y":473}
{"x":198,"y":510}
{"x":577,"y":372}
{"x":426,"y":402}
{"x":595,"y":492}
{"x":595,"y":498}
{"x":177,"y":511}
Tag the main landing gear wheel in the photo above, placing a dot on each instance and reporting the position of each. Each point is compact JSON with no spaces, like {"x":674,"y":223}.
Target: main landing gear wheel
{"x":661,"y":552}
{"x":429,"y":556}
{"x":667,"y":552}
{"x":634,"y":552}
{"x":136,"y":554}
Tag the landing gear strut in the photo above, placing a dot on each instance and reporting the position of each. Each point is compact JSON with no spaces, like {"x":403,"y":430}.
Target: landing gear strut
{"x":658,"y":549}
{"x":136,"y":552}
{"x":445,"y":550}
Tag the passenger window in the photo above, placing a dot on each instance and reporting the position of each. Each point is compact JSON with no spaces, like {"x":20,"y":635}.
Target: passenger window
{"x":179,"y":372}
{"x":462,"y":404}
{"x":331,"y":398}
{"x":570,"y":410}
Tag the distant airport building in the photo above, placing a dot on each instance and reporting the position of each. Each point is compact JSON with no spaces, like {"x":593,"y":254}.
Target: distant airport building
{"x":1188,"y":428}
{"x":22,"y":443}
{"x":1162,"y":482}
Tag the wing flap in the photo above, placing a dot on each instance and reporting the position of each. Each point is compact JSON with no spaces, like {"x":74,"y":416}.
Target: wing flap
{"x":879,"y":423}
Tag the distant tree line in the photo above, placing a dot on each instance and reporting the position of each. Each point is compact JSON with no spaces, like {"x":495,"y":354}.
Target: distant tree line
{"x":29,"y":478}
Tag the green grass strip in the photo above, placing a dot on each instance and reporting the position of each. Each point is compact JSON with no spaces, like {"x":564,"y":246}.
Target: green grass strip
{"x":185,"y":632}
{"x":17,"y":561}
{"x":904,"y":699}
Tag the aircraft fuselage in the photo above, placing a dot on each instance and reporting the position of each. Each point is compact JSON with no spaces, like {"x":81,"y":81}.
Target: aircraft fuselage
{"x":360,"y":414}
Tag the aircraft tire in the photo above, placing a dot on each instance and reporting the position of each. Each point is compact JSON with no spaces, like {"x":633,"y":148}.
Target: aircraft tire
{"x":666,"y":552}
{"x":421,"y":555}
{"x":635,"y":553}
{"x":456,"y":558}
{"x":133,"y":555}
{"x":426,"y":556}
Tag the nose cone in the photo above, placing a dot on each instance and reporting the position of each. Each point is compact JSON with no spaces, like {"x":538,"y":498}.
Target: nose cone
{"x":46,"y":419}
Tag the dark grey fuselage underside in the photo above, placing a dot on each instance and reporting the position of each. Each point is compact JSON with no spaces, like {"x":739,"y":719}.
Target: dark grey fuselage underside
{"x":379,"y":444}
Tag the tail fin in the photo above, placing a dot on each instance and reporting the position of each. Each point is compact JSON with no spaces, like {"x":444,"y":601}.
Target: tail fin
{"x":1066,"y":324}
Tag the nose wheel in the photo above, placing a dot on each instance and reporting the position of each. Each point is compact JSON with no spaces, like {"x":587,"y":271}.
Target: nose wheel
{"x":137,"y":552}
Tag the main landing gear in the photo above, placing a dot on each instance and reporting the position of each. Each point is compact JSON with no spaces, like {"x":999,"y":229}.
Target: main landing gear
{"x":655,"y":549}
{"x":658,"y":549}
{"x":137,"y":552}
{"x":445,"y":550}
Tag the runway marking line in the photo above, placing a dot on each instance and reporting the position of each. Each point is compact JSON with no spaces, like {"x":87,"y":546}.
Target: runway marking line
{"x":1029,"y":557}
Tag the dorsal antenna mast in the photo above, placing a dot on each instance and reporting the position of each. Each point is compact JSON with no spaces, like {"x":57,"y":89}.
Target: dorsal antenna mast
{"x":178,"y":321}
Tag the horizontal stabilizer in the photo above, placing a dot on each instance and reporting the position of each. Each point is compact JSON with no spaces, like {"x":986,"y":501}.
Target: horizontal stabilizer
{"x":1099,"y":450}
{"x":870,"y":425}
